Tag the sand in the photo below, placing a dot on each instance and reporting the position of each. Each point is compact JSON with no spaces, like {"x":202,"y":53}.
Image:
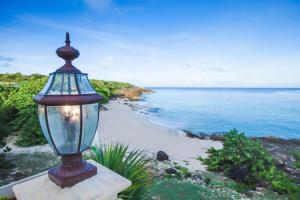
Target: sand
{"x":120,"y":123}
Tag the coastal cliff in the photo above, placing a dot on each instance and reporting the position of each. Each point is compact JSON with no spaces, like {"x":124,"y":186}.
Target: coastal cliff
{"x":133,"y":93}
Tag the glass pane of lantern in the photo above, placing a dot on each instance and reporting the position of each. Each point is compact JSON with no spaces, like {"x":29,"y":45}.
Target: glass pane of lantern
{"x":64,"y":125}
{"x":65,"y":84}
{"x":41,"y":113}
{"x":89,"y":124}
{"x":84,"y":84}
{"x":45,"y":89}
{"x":73,"y":88}
{"x":56,"y":86}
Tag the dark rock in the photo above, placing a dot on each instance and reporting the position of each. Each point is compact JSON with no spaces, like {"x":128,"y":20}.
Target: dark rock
{"x":162,"y":156}
{"x":171,"y":171}
{"x":238,"y":173}
{"x":216,"y":137}
{"x":201,"y":136}
{"x":281,"y":149}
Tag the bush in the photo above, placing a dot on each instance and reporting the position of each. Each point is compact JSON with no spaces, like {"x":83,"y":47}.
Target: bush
{"x":296,"y":155}
{"x":246,"y":161}
{"x":108,"y":88}
{"x":26,"y":120}
{"x":130,"y":164}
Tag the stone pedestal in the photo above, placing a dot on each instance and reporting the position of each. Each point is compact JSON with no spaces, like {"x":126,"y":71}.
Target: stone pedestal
{"x":103,"y":186}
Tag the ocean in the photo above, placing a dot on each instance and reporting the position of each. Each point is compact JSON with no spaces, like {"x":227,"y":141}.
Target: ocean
{"x":254,"y":111}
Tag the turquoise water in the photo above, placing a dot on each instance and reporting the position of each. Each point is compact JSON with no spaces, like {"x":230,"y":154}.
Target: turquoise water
{"x":257,"y":112}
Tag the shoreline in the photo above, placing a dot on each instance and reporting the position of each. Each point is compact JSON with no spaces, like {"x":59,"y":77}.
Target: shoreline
{"x":120,"y":123}
{"x":182,"y":146}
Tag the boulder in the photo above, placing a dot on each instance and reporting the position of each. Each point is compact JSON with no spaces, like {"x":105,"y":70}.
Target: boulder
{"x":162,"y":156}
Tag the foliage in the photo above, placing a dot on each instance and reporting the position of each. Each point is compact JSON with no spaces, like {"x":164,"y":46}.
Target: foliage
{"x":185,"y":171}
{"x":27,"y":164}
{"x":246,"y":161}
{"x":18,"y":77}
{"x":129,"y":163}
{"x":217,"y":189}
{"x":108,"y":88}
{"x":6,"y":114}
{"x":4,"y":163}
{"x":18,"y":112}
{"x":24,"y":119}
{"x":296,"y":155}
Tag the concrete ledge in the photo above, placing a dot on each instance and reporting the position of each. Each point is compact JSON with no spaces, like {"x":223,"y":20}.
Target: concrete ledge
{"x":7,"y":191}
{"x":103,"y":186}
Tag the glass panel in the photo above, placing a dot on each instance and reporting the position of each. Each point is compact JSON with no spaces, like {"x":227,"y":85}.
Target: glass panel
{"x":65,"y":84}
{"x":64,"y":125}
{"x":56,"y":86}
{"x":45,"y":89}
{"x":84,"y":84}
{"x":41,"y":113}
{"x":73,"y":88}
{"x":89,"y":124}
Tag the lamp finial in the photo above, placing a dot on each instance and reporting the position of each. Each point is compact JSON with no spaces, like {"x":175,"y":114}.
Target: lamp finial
{"x":68,"y":39}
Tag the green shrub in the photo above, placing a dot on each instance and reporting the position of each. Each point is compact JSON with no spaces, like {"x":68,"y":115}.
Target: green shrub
{"x":246,"y":161}
{"x":130,"y":164}
{"x":108,"y":88}
{"x":296,"y":155}
{"x":26,"y":120}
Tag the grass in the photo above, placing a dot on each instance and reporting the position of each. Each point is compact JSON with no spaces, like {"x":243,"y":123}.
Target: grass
{"x":217,"y":188}
{"x":170,"y":189}
{"x":27,"y":164}
{"x":130,"y":164}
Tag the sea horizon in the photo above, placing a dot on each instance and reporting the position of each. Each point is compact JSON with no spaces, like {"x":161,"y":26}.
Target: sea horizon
{"x":199,"y":87}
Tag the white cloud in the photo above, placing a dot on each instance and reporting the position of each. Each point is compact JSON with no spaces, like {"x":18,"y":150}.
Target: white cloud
{"x":99,"y":5}
{"x":106,"y":61}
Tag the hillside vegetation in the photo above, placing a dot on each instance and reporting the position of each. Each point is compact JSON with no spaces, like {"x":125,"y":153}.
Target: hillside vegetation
{"x":18,"y":112}
{"x":246,"y":161}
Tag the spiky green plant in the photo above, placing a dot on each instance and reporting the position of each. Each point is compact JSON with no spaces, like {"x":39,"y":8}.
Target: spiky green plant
{"x":128,"y":163}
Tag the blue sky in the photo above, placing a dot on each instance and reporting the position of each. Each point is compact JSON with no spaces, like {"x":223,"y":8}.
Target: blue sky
{"x":188,"y":43}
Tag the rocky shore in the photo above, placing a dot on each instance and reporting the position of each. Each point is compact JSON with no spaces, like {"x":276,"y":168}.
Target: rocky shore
{"x":280,"y":149}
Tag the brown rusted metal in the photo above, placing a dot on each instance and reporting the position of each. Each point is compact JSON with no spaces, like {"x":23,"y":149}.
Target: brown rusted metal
{"x":71,"y":171}
{"x":68,"y":53}
{"x":68,"y":68}
{"x":58,"y":100}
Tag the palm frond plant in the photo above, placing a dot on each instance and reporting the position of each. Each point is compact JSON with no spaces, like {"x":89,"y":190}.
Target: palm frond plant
{"x":128,"y":163}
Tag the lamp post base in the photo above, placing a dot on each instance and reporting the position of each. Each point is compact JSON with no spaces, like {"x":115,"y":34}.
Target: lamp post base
{"x":72,"y":170}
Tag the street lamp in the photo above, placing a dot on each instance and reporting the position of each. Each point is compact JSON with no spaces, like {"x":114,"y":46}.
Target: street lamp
{"x":68,"y":110}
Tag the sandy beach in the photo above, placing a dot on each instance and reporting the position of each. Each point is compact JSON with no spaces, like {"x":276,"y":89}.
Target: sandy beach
{"x":120,"y":123}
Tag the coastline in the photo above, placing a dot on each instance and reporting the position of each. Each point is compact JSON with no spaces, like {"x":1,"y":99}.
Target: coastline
{"x":127,"y":122}
{"x":120,"y":123}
